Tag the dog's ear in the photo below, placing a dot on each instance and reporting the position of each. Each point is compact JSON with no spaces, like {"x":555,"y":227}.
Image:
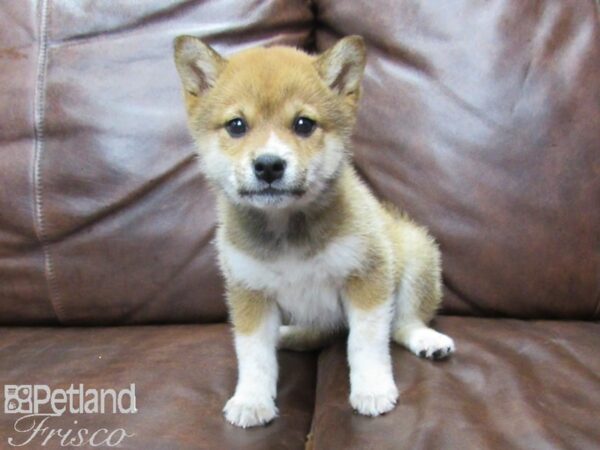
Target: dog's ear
{"x":197,"y":63}
{"x":342,"y":66}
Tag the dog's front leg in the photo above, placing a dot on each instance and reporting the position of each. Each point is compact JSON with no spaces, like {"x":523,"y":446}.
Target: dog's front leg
{"x":256,"y":325}
{"x":369,"y":310}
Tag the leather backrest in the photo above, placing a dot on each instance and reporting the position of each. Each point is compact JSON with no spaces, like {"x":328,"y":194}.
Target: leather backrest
{"x":104,"y":215}
{"x":482,"y":121}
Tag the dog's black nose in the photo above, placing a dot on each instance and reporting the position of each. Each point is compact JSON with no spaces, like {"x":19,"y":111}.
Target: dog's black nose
{"x":269,"y":168}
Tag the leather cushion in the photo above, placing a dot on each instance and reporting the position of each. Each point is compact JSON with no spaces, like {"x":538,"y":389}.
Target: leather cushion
{"x":512,"y":384}
{"x":183,"y":374}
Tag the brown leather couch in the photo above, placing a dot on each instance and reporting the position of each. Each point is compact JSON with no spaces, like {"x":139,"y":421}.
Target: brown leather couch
{"x":481,"y":119}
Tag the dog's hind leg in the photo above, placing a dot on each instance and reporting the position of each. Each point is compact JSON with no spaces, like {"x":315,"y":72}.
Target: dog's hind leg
{"x":419,"y":294}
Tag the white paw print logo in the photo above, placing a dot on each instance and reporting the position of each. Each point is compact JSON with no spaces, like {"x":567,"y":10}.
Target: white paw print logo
{"x":12,"y":405}
{"x":17,"y":399}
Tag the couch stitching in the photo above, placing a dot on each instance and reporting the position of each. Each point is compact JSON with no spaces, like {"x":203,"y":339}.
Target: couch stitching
{"x":38,"y":125}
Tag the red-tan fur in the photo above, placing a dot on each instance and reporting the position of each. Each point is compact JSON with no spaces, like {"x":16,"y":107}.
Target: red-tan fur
{"x":321,"y":253}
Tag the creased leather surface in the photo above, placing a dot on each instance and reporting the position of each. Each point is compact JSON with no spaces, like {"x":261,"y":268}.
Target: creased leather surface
{"x":23,"y":289}
{"x":126,"y":219}
{"x":481,"y":120}
{"x":511,"y":385}
{"x":184,"y":374}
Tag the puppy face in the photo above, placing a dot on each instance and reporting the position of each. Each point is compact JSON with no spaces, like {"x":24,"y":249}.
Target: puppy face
{"x":272,"y":125}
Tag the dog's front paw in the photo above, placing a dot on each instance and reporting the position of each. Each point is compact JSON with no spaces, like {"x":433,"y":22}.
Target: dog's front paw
{"x":374,"y":400}
{"x":246,"y":411}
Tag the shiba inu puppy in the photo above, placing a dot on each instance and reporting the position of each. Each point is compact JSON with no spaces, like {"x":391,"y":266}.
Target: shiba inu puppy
{"x":304,"y":246}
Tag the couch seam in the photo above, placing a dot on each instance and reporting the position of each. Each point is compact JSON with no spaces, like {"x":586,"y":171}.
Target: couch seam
{"x":38,"y":128}
{"x":309,"y":439}
{"x":596,"y":313}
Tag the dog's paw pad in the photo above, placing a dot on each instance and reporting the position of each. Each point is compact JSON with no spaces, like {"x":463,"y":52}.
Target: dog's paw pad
{"x":246,"y":412}
{"x":374,"y":403}
{"x":428,"y":343}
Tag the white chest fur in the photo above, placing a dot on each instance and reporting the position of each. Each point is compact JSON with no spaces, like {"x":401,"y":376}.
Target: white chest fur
{"x":306,"y":289}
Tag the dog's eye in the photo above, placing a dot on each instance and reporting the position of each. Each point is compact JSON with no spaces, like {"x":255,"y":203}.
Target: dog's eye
{"x":236,"y":127}
{"x":303,"y":126}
